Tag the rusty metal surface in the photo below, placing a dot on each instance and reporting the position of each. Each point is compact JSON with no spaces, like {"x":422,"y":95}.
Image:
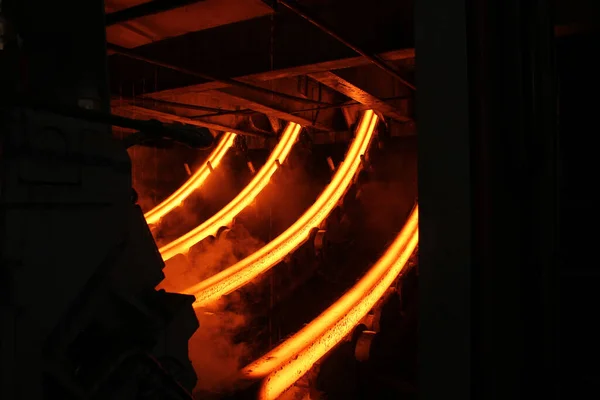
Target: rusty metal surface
{"x":343,"y":86}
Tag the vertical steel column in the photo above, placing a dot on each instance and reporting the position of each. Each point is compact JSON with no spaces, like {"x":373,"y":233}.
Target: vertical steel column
{"x":488,"y":195}
{"x":579,"y":277}
{"x":445,"y":206}
{"x":514,"y":136}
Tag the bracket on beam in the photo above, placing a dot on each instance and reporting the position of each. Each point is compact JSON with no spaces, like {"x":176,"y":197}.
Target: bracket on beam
{"x":355,"y":93}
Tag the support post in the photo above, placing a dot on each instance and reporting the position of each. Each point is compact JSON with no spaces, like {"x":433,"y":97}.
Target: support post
{"x":488,"y":193}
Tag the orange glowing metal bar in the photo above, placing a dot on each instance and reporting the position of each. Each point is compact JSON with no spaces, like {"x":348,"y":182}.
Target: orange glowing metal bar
{"x":386,"y":270}
{"x":226,"y":215}
{"x":262,"y":260}
{"x":195,"y":181}
{"x":303,"y":338}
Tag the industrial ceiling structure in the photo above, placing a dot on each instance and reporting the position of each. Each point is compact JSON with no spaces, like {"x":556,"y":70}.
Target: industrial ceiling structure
{"x":246,"y":66}
{"x":180,"y":177}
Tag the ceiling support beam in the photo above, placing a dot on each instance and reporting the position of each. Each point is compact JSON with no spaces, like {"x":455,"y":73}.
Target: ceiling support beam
{"x":355,"y":93}
{"x":269,"y":108}
{"x":227,"y":81}
{"x":307,"y":15}
{"x":275,"y":124}
{"x":160,"y":115}
{"x":394,"y":55}
{"x":217,"y":51}
{"x":145,"y":9}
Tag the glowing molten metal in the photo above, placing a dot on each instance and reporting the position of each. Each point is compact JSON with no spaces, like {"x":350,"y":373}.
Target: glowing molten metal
{"x":226,"y":215}
{"x":268,"y":256}
{"x":292,"y":346}
{"x":293,"y":358}
{"x":195,"y":181}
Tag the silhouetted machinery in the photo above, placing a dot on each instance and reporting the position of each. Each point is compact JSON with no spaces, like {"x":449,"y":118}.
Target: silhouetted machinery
{"x":79,"y":315}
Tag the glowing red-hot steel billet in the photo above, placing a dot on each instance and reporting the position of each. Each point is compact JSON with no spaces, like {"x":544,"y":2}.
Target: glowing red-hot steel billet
{"x":293,"y":345}
{"x":226,"y":215}
{"x":387,"y":269}
{"x":194,"y":182}
{"x":268,"y":256}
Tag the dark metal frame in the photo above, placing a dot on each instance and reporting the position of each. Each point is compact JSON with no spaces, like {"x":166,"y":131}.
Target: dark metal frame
{"x":228,"y":81}
{"x":145,"y":9}
{"x":488,"y":199}
{"x":310,"y":17}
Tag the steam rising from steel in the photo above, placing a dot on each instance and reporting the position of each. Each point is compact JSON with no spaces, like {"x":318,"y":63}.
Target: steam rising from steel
{"x":226,"y":215}
{"x":261,"y":261}
{"x":288,"y":362}
{"x":275,"y":358}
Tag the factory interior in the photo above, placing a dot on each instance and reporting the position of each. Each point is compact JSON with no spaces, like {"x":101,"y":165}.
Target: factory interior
{"x":298,"y":199}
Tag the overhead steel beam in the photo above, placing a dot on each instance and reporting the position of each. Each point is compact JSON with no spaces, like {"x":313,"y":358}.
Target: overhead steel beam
{"x":307,"y":15}
{"x":348,"y":62}
{"x":237,"y":102}
{"x":145,"y":9}
{"x":160,"y":115}
{"x":266,"y":107}
{"x":247,"y":95}
{"x":245,"y":48}
{"x":227,"y":81}
{"x":341,"y":85}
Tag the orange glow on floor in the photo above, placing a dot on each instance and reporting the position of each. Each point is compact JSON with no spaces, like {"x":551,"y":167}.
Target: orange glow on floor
{"x":226,"y":215}
{"x":195,"y":181}
{"x":293,"y":345}
{"x":299,"y":353}
{"x":268,"y":256}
